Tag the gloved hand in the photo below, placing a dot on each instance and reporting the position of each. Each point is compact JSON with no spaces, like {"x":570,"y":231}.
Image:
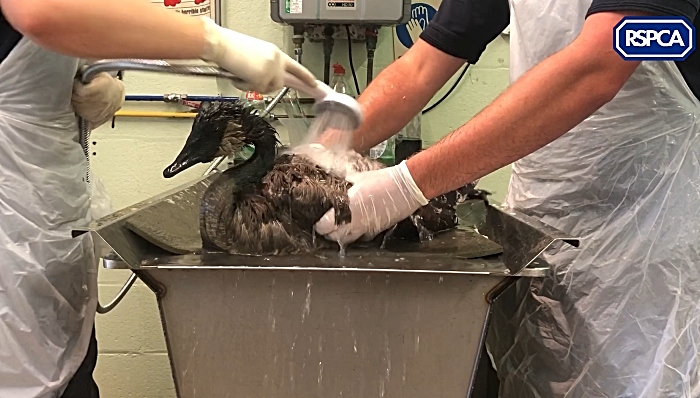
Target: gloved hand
{"x":99,"y":100}
{"x":378,"y":200}
{"x":261,"y":64}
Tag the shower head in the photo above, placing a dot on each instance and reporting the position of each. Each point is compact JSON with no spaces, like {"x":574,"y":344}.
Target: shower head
{"x":329,"y":103}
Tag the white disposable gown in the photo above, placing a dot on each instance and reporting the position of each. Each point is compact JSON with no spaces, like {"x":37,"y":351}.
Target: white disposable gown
{"x":620,"y":316}
{"x":47,"y":279}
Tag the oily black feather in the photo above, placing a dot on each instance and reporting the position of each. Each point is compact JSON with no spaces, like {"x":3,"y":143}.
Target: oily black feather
{"x":236,"y":218}
{"x":307,"y":190}
{"x":439,"y":215}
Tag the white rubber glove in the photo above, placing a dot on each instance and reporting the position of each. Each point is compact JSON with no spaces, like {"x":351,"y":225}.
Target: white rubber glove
{"x":99,"y":100}
{"x":378,"y":200}
{"x":261,"y":64}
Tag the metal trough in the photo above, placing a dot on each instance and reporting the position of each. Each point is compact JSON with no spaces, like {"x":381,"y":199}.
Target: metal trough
{"x":404,"y":324}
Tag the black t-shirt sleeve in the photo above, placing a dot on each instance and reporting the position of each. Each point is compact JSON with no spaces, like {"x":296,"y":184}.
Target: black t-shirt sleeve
{"x":463,"y":28}
{"x":9,"y":37}
{"x":690,"y":68}
{"x":684,"y":8}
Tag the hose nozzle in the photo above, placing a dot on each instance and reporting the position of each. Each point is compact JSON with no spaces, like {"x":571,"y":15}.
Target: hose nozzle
{"x":330,"y":103}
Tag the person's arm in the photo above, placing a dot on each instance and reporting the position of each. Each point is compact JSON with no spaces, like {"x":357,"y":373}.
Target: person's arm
{"x":400,"y":91}
{"x":542,"y":105}
{"x":140,"y":29}
{"x":459,"y":33}
{"x":95,"y":29}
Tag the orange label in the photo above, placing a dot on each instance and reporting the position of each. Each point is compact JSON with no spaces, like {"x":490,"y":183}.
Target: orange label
{"x":253,"y":96}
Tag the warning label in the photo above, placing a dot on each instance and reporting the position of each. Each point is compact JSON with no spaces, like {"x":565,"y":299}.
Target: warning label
{"x":341,"y":5}
{"x":293,"y":6}
{"x":188,"y":7}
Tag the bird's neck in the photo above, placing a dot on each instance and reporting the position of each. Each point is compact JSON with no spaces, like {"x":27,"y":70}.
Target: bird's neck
{"x":260,"y":162}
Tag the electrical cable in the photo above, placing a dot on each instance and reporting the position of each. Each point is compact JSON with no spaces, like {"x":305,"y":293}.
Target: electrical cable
{"x":428,"y":109}
{"x":352,"y":66}
{"x":431,"y":107}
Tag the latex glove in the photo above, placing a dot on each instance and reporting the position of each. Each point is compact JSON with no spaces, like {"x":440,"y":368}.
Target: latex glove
{"x":261,"y":64}
{"x":378,"y":200}
{"x":99,"y":100}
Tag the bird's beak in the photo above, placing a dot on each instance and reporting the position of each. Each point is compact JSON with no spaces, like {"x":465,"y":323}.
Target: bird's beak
{"x":184,"y":161}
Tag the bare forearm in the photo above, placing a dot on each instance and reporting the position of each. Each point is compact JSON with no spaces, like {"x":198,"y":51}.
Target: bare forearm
{"x":400,"y":92}
{"x":541,"y":106}
{"x":386,"y":105}
{"x":96,"y":29}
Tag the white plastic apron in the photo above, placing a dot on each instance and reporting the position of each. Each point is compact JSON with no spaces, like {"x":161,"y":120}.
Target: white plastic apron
{"x":619,"y":317}
{"x":47,"y":279}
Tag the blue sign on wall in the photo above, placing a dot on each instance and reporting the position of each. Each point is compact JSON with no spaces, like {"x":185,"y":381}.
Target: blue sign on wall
{"x":654,"y":38}
{"x":421,"y":15}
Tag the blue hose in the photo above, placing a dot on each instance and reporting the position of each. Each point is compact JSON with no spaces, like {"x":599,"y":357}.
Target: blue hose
{"x":162,"y":98}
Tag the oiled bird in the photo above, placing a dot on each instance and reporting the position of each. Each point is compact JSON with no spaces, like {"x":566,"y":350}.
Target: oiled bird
{"x":269,"y":203}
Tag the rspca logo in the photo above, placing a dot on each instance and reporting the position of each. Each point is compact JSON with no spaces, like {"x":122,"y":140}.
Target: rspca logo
{"x":654,"y":38}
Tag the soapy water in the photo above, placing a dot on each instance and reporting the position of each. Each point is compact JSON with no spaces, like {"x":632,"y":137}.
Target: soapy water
{"x":333,"y":130}
{"x":329,"y":145}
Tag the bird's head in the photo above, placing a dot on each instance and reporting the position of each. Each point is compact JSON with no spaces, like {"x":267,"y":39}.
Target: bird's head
{"x":220,"y":129}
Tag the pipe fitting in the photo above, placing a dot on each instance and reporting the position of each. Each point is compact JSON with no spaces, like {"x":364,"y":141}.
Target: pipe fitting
{"x":371,"y":43}
{"x":328,"y":43}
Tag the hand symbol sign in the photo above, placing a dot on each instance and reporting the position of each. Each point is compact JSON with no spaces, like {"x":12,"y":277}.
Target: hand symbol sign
{"x":421,"y":14}
{"x":418,"y":22}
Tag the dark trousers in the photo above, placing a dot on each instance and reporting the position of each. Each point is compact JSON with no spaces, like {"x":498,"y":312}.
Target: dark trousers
{"x":82,"y":385}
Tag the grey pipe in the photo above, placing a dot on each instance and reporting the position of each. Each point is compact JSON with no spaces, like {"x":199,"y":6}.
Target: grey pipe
{"x":122,"y":292}
{"x":371,"y":44}
{"x":158,"y":66}
{"x":328,"y":43}
{"x":370,"y":68}
{"x":219,"y":11}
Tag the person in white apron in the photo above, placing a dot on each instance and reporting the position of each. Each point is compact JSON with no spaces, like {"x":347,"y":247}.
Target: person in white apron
{"x":48,"y":279}
{"x":619,"y":316}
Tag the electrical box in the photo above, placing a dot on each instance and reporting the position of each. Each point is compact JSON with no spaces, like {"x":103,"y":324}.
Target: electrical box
{"x":365,"y":12}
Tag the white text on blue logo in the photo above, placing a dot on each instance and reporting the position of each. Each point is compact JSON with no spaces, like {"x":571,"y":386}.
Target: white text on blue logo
{"x":644,"y":38}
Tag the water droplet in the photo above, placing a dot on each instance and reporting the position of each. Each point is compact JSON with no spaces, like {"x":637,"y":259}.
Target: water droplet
{"x":307,"y":302}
